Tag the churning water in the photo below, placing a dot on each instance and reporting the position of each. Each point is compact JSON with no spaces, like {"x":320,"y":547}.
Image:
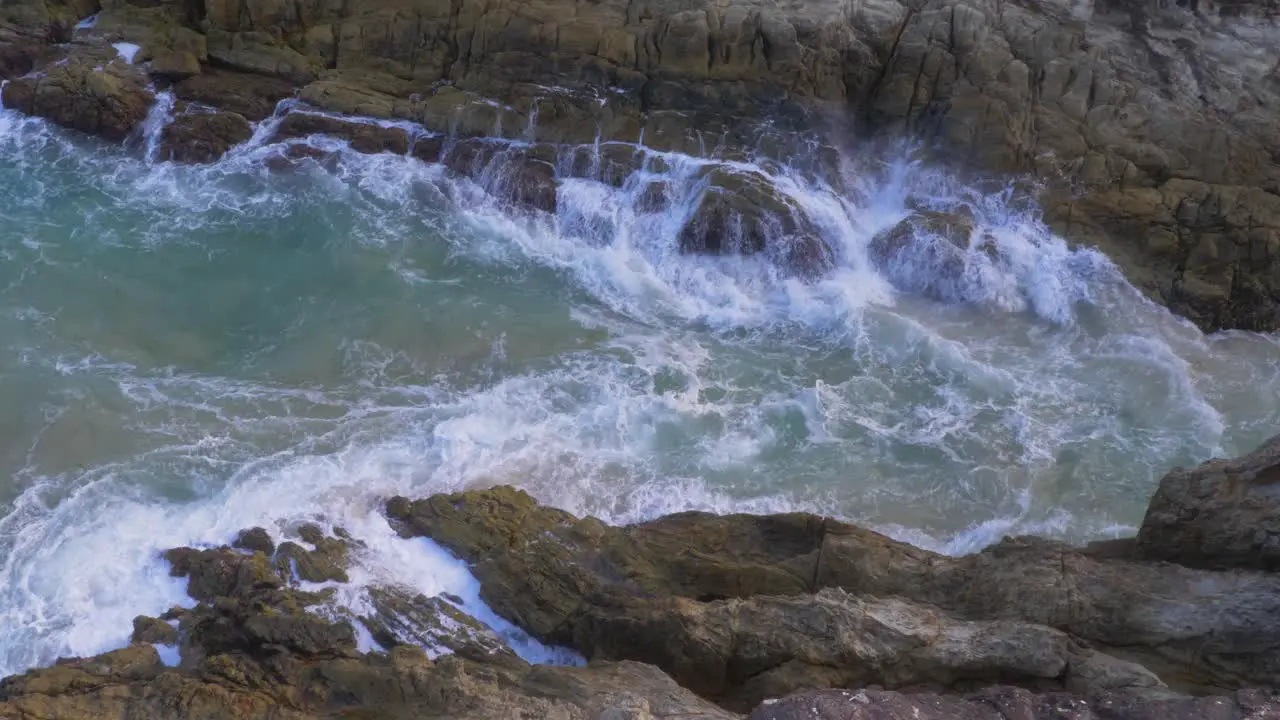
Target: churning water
{"x":188,"y":351}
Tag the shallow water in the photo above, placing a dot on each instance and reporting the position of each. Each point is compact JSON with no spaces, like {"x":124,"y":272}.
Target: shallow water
{"x":193,"y":350}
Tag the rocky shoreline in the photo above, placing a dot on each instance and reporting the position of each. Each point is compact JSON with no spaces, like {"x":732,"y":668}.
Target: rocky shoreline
{"x":695,"y":615}
{"x":1147,"y":127}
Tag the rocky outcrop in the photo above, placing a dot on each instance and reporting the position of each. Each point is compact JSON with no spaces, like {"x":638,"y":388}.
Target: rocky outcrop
{"x":91,"y":92}
{"x":779,"y":617}
{"x":1150,"y":125}
{"x":1223,"y":514}
{"x":928,"y":252}
{"x":1012,"y":704}
{"x":642,"y":592}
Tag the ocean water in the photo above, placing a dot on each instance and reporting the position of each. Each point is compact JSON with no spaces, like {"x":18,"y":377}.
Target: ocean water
{"x":188,"y":351}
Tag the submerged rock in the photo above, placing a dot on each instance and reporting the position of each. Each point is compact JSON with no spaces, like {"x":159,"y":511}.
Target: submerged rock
{"x":1222,"y":514}
{"x":928,"y":252}
{"x":517,"y":174}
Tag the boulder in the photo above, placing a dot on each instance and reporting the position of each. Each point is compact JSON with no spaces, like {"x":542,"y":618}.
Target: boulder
{"x":326,"y":562}
{"x":1005,"y":703}
{"x":521,"y":175}
{"x":203,"y":137}
{"x":1222,"y":514}
{"x":255,"y":539}
{"x":740,"y":212}
{"x":175,"y":65}
{"x":365,"y":137}
{"x":253,"y":96}
{"x":557,"y":576}
{"x":90,"y":93}
{"x":928,"y":253}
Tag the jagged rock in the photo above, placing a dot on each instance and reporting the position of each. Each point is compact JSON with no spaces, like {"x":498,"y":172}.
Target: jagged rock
{"x":554,"y":574}
{"x":255,"y":97}
{"x":402,"y":617}
{"x":327,"y":562}
{"x":1013,"y":704}
{"x":740,"y":212}
{"x":1223,"y":514}
{"x":202,"y":137}
{"x":364,"y":137}
{"x":255,"y":539}
{"x":222,"y":572}
{"x":152,"y":630}
{"x":742,"y":651}
{"x":90,"y":92}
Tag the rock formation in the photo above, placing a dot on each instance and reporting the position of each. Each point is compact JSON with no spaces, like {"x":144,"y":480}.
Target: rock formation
{"x":1149,"y":124}
{"x":698,"y":616}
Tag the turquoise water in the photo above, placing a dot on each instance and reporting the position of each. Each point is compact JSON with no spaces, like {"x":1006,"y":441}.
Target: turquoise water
{"x":193,"y":350}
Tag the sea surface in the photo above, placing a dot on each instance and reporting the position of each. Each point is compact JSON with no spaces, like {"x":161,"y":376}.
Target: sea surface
{"x":188,"y":351}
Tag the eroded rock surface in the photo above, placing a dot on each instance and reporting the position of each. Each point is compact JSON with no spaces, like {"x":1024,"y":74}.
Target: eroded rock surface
{"x":1222,"y":514}
{"x":642,"y":591}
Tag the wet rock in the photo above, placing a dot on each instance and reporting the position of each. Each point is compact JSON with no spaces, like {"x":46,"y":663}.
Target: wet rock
{"x":741,"y":213}
{"x":1222,"y":514}
{"x":1012,"y":704}
{"x":927,"y":252}
{"x":557,"y":575}
{"x":327,"y":562}
{"x":152,"y":630}
{"x":253,"y":96}
{"x":92,"y":93}
{"x":255,"y":539}
{"x":365,"y":137}
{"x":402,"y":617}
{"x":203,"y":137}
{"x":222,"y":572}
{"x":517,"y":174}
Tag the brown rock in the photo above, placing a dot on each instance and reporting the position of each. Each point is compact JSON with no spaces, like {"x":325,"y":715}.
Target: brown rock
{"x":1013,"y":704}
{"x":253,"y":96}
{"x":520,"y":175}
{"x":1222,"y":514}
{"x":202,"y":137}
{"x":255,"y":540}
{"x":365,"y":137}
{"x":740,"y":212}
{"x":927,"y":253}
{"x":151,"y":630}
{"x":175,"y":65}
{"x":402,"y":617}
{"x":557,"y":576}
{"x":110,"y":99}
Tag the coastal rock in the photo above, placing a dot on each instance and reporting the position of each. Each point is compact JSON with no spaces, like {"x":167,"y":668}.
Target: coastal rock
{"x":555,"y":575}
{"x":202,"y":137}
{"x":741,"y":213}
{"x":365,"y":137}
{"x":255,"y":539}
{"x":521,"y":175}
{"x":153,"y":630}
{"x":1013,"y":704}
{"x":253,"y":96}
{"x":402,"y":617}
{"x":175,"y":65}
{"x":1222,"y":514}
{"x":91,"y":93}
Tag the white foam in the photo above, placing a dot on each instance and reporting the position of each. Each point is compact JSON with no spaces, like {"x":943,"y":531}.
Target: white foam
{"x":127,"y":51}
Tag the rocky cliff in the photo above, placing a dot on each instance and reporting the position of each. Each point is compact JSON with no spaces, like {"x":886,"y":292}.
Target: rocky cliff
{"x":1149,"y":126}
{"x":701,"y":616}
